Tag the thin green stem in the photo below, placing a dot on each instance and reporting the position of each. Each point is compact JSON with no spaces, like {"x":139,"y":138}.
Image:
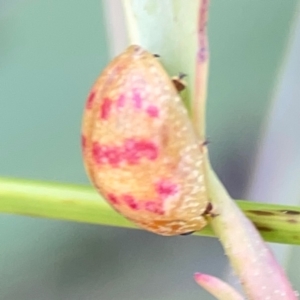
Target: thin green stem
{"x":79,"y":203}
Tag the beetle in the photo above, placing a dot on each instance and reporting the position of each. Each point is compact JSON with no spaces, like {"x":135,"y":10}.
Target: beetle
{"x":139,"y":147}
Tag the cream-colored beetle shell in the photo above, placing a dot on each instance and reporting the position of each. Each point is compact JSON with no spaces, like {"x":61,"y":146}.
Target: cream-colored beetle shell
{"x":140,"y":149}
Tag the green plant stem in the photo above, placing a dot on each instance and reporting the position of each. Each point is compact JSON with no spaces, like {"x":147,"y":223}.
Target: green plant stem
{"x":79,"y":203}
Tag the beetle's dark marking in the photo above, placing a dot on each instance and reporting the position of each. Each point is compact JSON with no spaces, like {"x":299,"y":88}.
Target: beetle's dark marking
{"x":289,"y":212}
{"x":156,"y":55}
{"x":261,"y":213}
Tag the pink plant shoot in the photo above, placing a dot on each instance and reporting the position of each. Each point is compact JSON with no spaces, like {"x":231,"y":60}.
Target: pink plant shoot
{"x":260,"y":275}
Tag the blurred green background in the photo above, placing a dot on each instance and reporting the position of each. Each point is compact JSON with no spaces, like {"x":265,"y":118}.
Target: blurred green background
{"x":51,"y":51}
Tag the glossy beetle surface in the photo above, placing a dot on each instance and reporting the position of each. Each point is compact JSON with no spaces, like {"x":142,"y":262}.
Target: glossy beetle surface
{"x":140,"y":149}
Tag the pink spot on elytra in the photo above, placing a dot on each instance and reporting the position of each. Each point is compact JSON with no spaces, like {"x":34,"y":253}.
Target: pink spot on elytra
{"x":112,"y":199}
{"x":134,"y":150}
{"x":131,"y":152}
{"x":152,"y":111}
{"x":105,"y":108}
{"x":147,"y":149}
{"x":90,"y":100}
{"x":83,"y":141}
{"x":154,"y":207}
{"x":166,"y":188}
{"x":137,"y":99}
{"x":113,"y":155}
{"x":106,"y":154}
{"x":121,"y":101}
{"x":98,"y":153}
{"x":130,"y":201}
